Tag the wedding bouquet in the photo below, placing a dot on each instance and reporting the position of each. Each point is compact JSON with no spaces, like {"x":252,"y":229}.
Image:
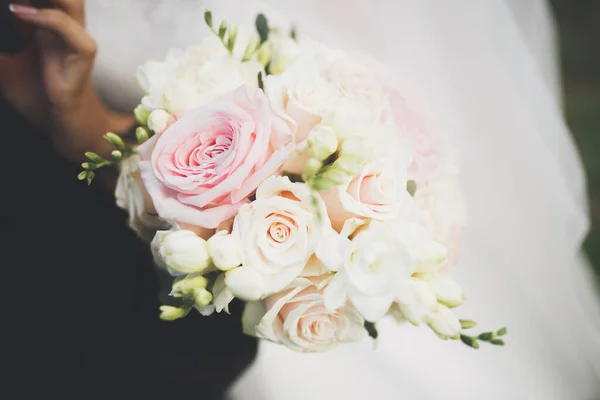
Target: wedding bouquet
{"x":294,"y":177}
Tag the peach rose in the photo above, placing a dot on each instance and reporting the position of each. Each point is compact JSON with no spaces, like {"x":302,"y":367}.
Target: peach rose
{"x":299,"y":319}
{"x":204,"y":166}
{"x":377,"y":192}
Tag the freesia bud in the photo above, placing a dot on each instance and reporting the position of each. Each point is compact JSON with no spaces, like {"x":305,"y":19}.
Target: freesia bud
{"x":444,"y":323}
{"x":447,"y":291}
{"x":117,"y":155}
{"x":185,"y":252}
{"x":264,"y":54}
{"x":224,"y":249}
{"x":141,"y":135}
{"x":170,"y":313}
{"x":202,"y":297}
{"x":157,"y":120}
{"x":141,"y":114}
{"x":114,"y":139}
{"x":186,"y":286}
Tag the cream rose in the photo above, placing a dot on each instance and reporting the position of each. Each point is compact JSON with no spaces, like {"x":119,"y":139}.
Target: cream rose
{"x":302,"y":97}
{"x":299,"y":319}
{"x":355,"y":80}
{"x":277,"y":234}
{"x":377,"y":192}
{"x":191,"y":78}
{"x":204,"y":166}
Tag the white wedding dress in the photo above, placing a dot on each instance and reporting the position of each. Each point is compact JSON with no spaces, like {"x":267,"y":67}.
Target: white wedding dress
{"x":488,"y":69}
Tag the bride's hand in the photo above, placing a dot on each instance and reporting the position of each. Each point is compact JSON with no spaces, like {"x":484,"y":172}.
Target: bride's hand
{"x":50,"y":83}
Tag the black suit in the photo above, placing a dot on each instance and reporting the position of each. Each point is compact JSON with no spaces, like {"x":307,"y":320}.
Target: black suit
{"x":80,"y":294}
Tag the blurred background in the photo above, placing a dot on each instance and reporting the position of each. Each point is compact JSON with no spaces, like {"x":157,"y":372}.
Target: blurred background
{"x":579,"y":28}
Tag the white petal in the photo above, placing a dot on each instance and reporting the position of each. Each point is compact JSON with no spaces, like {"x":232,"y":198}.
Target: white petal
{"x":253,"y":313}
{"x":372,"y":308}
{"x":416,"y":300}
{"x":222,"y":295}
{"x":350,"y":226}
{"x":335,"y":294}
{"x":245,"y":283}
{"x":331,"y":250}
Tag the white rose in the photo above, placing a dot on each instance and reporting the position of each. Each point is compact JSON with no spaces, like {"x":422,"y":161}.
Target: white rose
{"x":373,"y":265}
{"x":278,"y":233}
{"x":302,"y":97}
{"x":192,"y":78}
{"x":182,"y":252}
{"x":299,"y":319}
{"x":377,"y":192}
{"x":132,"y":197}
{"x":355,"y":80}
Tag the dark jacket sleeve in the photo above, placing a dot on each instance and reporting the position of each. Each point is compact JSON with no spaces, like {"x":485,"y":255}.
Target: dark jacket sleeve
{"x":80,"y":294}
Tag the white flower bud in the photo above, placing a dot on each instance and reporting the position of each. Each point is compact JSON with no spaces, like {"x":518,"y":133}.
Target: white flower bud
{"x":447,"y":291}
{"x":185,"y":252}
{"x":444,"y":323}
{"x":245,"y":283}
{"x":157,"y":120}
{"x":170,"y":313}
{"x":224,"y":249}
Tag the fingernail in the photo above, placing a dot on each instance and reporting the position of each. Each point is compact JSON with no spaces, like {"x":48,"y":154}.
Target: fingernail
{"x":22,"y":10}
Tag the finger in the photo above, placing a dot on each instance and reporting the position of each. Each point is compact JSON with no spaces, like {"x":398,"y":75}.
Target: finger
{"x":73,"y":8}
{"x":60,"y":23}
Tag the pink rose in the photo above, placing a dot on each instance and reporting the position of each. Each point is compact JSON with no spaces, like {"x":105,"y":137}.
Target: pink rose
{"x":428,"y":155}
{"x":204,"y":166}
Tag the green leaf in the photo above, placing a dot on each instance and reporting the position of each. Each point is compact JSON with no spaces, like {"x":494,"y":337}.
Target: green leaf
{"x":467,"y":324}
{"x":411,"y":187}
{"x":498,"y":342}
{"x":469,"y":341}
{"x":486,"y":336}
{"x":222,"y":29}
{"x":501,"y":332}
{"x":208,"y":18}
{"x":371,"y":329}
{"x":262,"y":27}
